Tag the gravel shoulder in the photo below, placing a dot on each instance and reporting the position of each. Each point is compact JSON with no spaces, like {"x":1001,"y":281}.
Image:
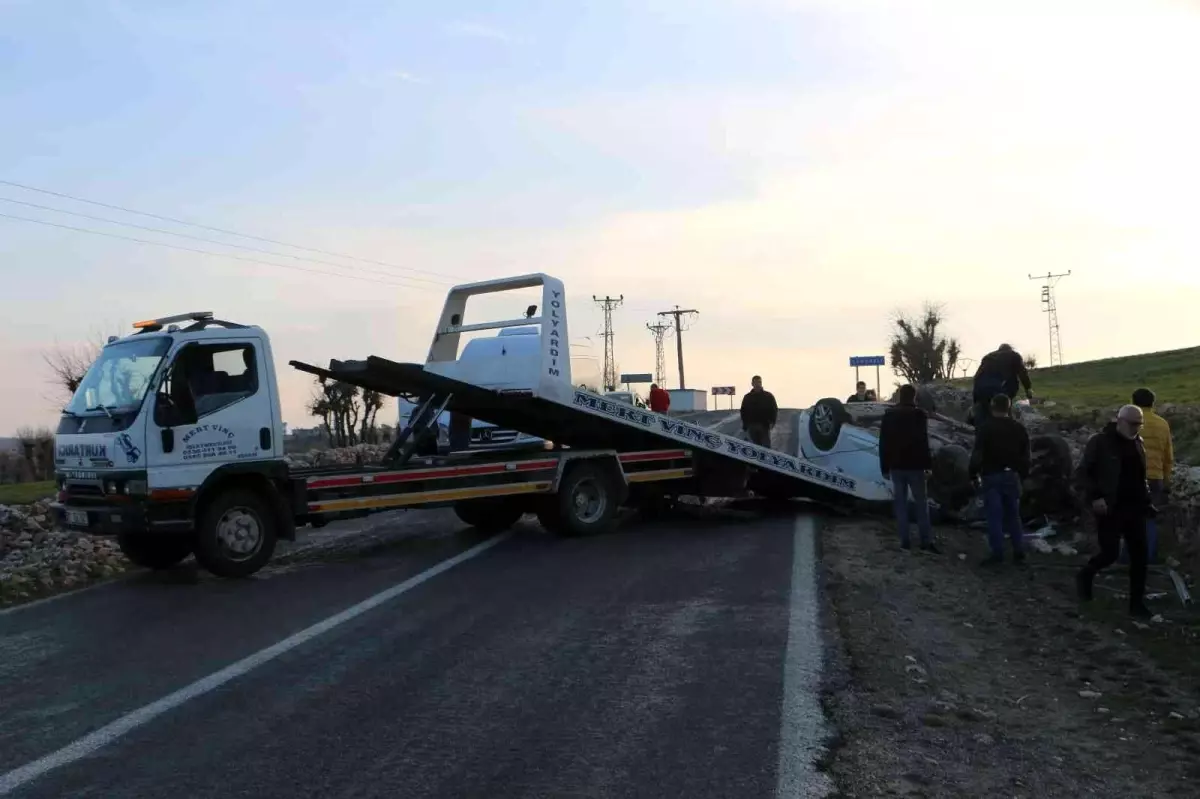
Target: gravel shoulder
{"x":946,"y":680}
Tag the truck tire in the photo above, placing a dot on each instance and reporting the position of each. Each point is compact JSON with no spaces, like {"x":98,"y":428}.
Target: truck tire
{"x":588,"y":500}
{"x":154,"y":551}
{"x":489,"y":515}
{"x":237,"y":533}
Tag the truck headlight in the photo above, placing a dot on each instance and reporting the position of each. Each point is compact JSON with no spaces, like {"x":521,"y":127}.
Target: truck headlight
{"x":111,"y":488}
{"x":136,"y":487}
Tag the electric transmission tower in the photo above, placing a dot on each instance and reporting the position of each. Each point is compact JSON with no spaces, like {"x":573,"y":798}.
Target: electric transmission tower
{"x":610,"y":363}
{"x":660,"y":332}
{"x":1051,"y":311}
{"x":678,"y":313}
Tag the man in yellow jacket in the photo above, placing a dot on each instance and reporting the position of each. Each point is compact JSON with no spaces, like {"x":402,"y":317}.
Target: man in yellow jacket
{"x":1160,"y":461}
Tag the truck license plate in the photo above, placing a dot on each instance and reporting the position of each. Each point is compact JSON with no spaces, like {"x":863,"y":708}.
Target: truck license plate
{"x":77,"y":518}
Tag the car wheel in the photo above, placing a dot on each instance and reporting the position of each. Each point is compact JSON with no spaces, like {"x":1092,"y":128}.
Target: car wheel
{"x":825,"y":421}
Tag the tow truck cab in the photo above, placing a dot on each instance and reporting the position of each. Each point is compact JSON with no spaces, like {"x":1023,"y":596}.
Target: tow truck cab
{"x":166,"y":415}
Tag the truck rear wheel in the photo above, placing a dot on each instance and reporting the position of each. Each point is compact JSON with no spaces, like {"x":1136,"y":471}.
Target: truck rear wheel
{"x":154,"y":551}
{"x":587,"y":501}
{"x":489,"y":515}
{"x":237,"y":533}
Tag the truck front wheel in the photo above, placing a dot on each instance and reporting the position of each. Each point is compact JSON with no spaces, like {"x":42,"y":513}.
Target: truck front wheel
{"x":154,"y":551}
{"x":236,"y":535}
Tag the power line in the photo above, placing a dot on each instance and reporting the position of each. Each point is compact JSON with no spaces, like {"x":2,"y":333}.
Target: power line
{"x":678,"y":313}
{"x":660,"y":331}
{"x":219,"y":243}
{"x":610,"y":364}
{"x":201,"y":252}
{"x":1051,"y":311}
{"x":224,"y":231}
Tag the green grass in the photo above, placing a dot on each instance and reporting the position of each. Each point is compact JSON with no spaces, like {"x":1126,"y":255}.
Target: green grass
{"x":1173,"y":375}
{"x":1088,"y":393}
{"x":26,"y":493}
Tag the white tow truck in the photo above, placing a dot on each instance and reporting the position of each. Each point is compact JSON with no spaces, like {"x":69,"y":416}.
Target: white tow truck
{"x":173,"y":442}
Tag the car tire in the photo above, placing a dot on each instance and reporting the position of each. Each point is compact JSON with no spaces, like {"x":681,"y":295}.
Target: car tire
{"x":588,"y":501}
{"x":825,"y":421}
{"x":154,"y":550}
{"x":489,"y":515}
{"x":237,"y":534}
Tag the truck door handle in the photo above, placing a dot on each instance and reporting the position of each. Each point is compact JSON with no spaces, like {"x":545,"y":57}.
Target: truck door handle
{"x":264,"y":438}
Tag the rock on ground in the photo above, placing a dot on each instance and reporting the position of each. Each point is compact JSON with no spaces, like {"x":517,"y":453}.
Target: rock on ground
{"x":37,"y":559}
{"x":947,"y":680}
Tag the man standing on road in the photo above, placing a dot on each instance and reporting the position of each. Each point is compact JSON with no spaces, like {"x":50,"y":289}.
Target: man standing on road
{"x":999,"y":462}
{"x":759,"y":412}
{"x":999,"y":372}
{"x":860,"y":393}
{"x":905,"y":458}
{"x":1112,"y":478}
{"x":1160,"y":462}
{"x":660,"y":400}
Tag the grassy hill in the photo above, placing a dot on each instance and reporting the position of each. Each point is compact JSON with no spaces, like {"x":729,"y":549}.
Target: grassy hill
{"x":1173,"y":375}
{"x":1088,"y":393}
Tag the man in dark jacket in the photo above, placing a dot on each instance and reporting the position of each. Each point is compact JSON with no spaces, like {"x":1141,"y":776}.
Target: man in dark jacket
{"x":860,"y":393}
{"x":905,"y":458}
{"x":1000,"y":372}
{"x":759,"y":412}
{"x":1112,"y":479}
{"x":1000,"y":461}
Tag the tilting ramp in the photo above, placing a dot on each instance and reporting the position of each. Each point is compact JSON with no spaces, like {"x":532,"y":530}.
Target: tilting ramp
{"x":589,"y":421}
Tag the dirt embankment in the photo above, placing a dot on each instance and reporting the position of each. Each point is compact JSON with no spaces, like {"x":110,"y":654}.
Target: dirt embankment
{"x":949,"y":680}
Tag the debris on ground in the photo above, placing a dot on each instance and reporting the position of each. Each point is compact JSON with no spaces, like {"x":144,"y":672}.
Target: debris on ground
{"x":1022,"y":692}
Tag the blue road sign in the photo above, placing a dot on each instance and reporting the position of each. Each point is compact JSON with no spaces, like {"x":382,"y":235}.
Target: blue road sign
{"x":868,"y":360}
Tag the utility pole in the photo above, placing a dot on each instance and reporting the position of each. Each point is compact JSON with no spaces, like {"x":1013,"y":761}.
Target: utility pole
{"x":677,"y":313}
{"x":1051,"y":311}
{"x":610,"y":363}
{"x":660,"y":331}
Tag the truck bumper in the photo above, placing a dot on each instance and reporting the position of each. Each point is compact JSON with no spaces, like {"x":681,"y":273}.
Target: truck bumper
{"x":108,"y":520}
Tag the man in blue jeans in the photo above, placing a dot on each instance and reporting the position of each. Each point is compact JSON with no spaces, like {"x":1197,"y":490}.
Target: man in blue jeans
{"x":999,"y":462}
{"x":905,"y":457}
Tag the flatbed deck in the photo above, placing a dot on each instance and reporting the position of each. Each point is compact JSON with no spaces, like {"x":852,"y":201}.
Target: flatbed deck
{"x":590,"y":421}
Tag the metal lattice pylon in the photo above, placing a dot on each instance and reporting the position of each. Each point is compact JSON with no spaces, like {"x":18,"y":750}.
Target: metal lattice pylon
{"x":660,"y":331}
{"x":610,"y":361}
{"x":1051,"y":310}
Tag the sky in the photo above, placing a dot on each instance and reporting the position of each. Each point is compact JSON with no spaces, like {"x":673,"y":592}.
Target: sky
{"x":798,"y":171}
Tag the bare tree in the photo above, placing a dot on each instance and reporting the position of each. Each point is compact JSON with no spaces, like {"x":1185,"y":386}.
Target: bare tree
{"x":69,"y":363}
{"x":919,"y":352}
{"x":1031,"y":362}
{"x":347,"y":415}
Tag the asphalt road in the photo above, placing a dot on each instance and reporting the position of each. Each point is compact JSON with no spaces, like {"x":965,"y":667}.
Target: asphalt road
{"x":675,"y":659}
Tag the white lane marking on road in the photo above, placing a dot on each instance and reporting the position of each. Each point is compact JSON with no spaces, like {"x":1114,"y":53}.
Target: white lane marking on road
{"x":77,"y":750}
{"x":802,"y":730}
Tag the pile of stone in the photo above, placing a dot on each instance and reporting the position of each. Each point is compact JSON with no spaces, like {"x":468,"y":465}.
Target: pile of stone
{"x":357,"y":455}
{"x":37,"y":559}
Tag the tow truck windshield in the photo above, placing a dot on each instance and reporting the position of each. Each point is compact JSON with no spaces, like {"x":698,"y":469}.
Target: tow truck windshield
{"x":120,"y":377}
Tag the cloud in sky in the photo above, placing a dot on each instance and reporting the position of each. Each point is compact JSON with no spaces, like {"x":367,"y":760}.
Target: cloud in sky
{"x":475,"y":30}
{"x":407,"y":77}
